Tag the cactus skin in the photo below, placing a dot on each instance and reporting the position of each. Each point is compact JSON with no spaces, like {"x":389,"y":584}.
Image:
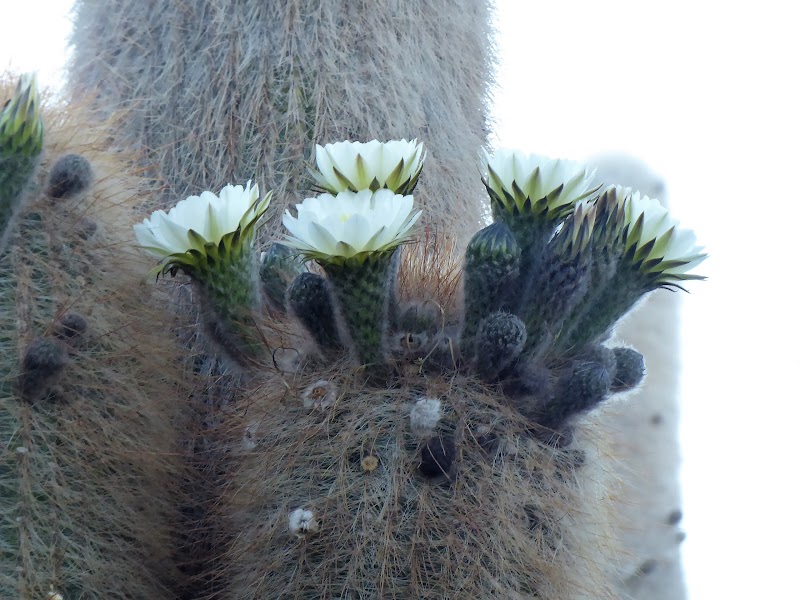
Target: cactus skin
{"x":70,"y":175}
{"x":500,"y":340}
{"x":362,"y":294}
{"x":309,"y":301}
{"x":491,"y":268}
{"x":279,"y":267}
{"x":21,"y":140}
{"x":89,"y":473}
{"x":593,"y":323}
{"x":230,"y":302}
{"x":558,"y":288}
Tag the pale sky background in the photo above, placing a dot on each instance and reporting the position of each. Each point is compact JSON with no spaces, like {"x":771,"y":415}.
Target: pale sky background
{"x":707,"y":94}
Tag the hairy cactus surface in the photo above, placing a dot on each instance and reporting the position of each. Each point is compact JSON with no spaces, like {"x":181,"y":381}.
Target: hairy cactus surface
{"x":224,"y":91}
{"x":430,"y":486}
{"x":90,"y":466}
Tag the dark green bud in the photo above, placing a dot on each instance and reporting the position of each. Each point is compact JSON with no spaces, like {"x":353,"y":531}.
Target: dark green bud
{"x":530,"y":384}
{"x":630,"y":369}
{"x":500,"y":340}
{"x":437,"y":456}
{"x":279,"y":267}
{"x":44,"y":360}
{"x":70,"y":328}
{"x":71,"y":174}
{"x":580,"y":387}
{"x":309,"y":299}
{"x":491,"y":268}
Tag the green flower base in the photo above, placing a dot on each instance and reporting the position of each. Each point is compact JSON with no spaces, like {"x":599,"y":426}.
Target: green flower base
{"x":361,"y":287}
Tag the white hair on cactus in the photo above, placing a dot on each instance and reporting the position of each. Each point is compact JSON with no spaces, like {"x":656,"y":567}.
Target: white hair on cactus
{"x":425,"y":415}
{"x":302,"y":522}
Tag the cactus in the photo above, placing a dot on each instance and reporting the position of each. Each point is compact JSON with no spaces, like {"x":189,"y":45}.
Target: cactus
{"x":330,"y":428}
{"x":225,"y":91}
{"x":90,"y":467}
{"x":311,"y":462}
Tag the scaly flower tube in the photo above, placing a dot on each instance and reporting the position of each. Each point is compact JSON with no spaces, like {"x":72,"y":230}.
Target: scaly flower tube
{"x":21,"y":141}
{"x":354,"y":236}
{"x":648,"y":251}
{"x":210,"y":238}
{"x":356,"y":166}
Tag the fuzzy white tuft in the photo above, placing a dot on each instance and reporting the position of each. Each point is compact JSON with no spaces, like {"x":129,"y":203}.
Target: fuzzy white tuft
{"x":302,"y":522}
{"x":425,"y":415}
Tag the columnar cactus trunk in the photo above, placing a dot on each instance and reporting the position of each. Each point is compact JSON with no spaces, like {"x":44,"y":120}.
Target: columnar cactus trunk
{"x":90,"y":467}
{"x":220,"y":92}
{"x":645,"y":433}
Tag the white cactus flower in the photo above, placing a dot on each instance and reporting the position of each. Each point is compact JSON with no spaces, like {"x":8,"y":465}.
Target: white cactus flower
{"x":200,"y":220}
{"x":302,"y":522}
{"x":425,"y":415}
{"x":350,"y":225}
{"x":527,"y":183}
{"x":204,"y":227}
{"x":355,"y":166}
{"x":654,"y":244}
